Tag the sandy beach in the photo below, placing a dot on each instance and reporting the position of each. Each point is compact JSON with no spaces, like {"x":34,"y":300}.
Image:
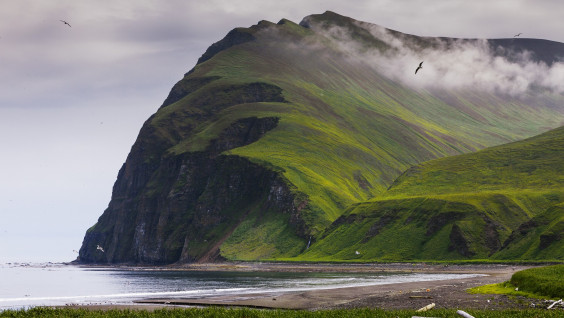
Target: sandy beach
{"x":449,"y":293}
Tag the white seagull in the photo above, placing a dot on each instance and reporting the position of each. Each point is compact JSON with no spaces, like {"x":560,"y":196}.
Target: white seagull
{"x":98,"y":247}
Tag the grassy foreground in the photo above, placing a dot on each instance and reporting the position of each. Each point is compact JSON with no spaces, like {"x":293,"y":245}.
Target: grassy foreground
{"x":541,"y":282}
{"x":251,"y":313}
{"x":547,"y":281}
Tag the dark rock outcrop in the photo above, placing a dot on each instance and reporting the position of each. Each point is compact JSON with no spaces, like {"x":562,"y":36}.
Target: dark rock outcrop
{"x":458,"y":242}
{"x":234,"y":37}
{"x":181,"y":209}
{"x":187,"y":86}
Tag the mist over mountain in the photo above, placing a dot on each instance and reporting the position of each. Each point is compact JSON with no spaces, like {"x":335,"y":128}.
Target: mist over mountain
{"x":505,"y":66}
{"x":262,"y":150}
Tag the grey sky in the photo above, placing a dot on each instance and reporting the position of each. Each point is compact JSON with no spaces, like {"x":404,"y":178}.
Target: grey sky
{"x":72,"y":99}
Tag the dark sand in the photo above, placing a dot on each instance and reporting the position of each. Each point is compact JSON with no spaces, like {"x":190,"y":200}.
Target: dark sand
{"x":449,"y":293}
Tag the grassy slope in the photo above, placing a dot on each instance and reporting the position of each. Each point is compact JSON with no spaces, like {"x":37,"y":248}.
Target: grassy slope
{"x":346,"y":131}
{"x":540,"y":238}
{"x":546,"y":281}
{"x":540,"y":282}
{"x":506,"y":202}
{"x":535,"y":163}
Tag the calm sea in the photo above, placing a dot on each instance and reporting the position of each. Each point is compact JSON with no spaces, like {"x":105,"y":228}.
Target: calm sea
{"x":24,"y":285}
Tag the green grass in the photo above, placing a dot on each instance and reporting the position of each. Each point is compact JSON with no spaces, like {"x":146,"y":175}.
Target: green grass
{"x":540,"y":282}
{"x":547,"y":281}
{"x":255,"y":313}
{"x":262,"y":235}
{"x":402,"y":230}
{"x":405,"y":230}
{"x":505,"y":288}
{"x":534,"y":163}
{"x":539,"y":238}
{"x":504,"y":202}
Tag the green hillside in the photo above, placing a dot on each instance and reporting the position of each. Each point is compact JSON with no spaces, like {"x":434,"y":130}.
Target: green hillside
{"x":533,"y":164}
{"x":504,"y":202}
{"x":279,"y":130}
{"x":343,"y":137}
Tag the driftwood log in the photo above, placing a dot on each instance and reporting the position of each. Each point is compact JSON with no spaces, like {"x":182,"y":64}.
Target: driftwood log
{"x":430,"y":306}
{"x":464,"y":314}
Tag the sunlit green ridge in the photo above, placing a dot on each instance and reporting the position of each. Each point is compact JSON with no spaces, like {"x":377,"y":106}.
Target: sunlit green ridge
{"x":504,"y":202}
{"x":339,"y":131}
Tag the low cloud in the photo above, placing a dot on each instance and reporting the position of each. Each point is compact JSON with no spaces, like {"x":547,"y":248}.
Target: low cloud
{"x":450,"y":63}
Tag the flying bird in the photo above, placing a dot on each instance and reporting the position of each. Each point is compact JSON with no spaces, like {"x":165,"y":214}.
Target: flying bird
{"x":65,"y":22}
{"x":419,"y":67}
{"x":98,"y":247}
{"x":516,"y":35}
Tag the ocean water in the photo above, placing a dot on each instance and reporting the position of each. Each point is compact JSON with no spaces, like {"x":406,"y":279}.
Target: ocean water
{"x":25,"y":285}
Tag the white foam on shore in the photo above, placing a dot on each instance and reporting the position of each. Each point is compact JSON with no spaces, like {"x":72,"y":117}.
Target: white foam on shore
{"x":130,"y":295}
{"x":124,"y":287}
{"x":384,"y":280}
{"x":25,"y":302}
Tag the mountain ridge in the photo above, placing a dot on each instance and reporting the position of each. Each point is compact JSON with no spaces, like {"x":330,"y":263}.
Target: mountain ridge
{"x":345,"y":130}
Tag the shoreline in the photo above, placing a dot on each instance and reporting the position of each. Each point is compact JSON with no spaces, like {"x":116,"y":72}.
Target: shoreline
{"x":406,"y":267}
{"x":448,"y":293}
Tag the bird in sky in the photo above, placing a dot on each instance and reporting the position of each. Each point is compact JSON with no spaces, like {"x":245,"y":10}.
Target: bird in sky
{"x":516,"y":35}
{"x":98,"y":247}
{"x":419,"y":67}
{"x":65,"y":22}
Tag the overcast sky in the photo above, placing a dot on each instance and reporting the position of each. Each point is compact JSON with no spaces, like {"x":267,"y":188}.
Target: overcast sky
{"x":72,"y":99}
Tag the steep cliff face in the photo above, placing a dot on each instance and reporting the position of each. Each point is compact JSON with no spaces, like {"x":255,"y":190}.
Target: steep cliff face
{"x":184,"y":207}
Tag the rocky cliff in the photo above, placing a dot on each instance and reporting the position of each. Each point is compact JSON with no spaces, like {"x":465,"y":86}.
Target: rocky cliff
{"x":280,"y":128}
{"x":183,"y":207}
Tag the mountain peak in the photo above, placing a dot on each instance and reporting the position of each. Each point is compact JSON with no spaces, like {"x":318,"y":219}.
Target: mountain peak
{"x":280,"y":128}
{"x":329,"y":17}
